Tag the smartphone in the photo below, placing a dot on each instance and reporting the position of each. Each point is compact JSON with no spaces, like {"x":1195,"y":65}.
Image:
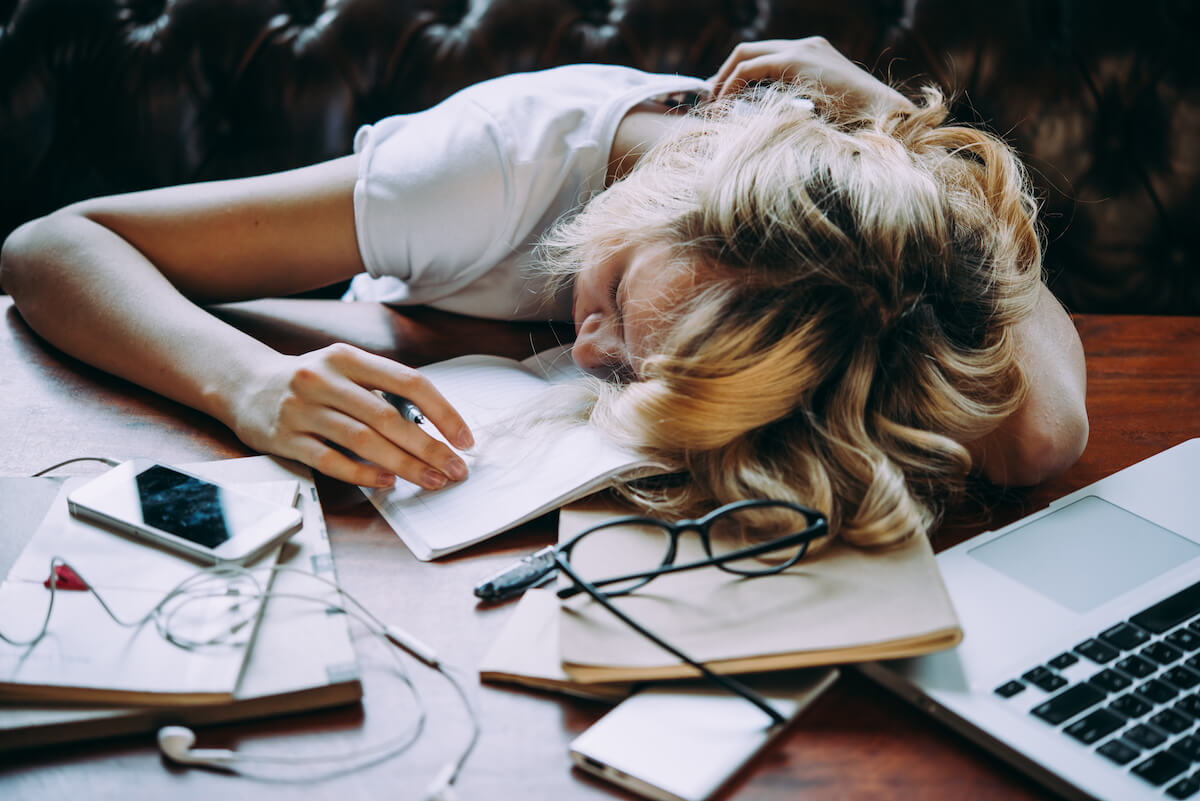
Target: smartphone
{"x":184,"y":512}
{"x":684,"y":742}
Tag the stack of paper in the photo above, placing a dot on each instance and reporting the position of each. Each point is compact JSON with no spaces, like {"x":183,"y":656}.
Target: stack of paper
{"x":840,"y":605}
{"x":89,"y":677}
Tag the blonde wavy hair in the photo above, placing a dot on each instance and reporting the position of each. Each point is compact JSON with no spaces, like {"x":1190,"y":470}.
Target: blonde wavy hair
{"x":867,"y":274}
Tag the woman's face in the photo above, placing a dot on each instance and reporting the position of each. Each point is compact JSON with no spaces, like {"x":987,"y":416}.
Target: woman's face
{"x":621,"y":303}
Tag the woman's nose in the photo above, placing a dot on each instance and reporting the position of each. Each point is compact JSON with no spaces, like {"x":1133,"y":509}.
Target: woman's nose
{"x":596,"y":348}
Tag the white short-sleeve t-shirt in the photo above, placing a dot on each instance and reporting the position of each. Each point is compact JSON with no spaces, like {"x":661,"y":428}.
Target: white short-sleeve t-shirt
{"x":450,"y":202}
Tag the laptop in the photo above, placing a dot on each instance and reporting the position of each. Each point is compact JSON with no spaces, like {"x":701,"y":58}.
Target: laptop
{"x":1080,"y":661}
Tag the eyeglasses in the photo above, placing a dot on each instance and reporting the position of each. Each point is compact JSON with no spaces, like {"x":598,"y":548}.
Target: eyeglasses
{"x":746,"y":538}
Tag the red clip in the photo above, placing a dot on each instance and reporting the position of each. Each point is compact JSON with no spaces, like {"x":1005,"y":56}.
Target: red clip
{"x":66,"y":579}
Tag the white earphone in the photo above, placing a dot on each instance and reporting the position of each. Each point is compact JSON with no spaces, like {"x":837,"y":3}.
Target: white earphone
{"x":176,"y":743}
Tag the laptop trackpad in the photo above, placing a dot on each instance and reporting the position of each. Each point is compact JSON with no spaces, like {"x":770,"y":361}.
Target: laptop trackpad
{"x":1086,"y":553}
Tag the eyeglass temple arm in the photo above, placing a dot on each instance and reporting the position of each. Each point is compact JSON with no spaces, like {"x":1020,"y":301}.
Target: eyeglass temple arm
{"x":728,"y":682}
{"x":815,"y":531}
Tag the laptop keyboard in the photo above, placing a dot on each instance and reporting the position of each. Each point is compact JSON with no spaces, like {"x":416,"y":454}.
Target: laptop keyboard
{"x":1132,"y":694}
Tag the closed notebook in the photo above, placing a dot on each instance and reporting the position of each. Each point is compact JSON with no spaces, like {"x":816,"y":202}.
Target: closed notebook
{"x":840,"y":604}
{"x":526,"y":652}
{"x":301,"y":657}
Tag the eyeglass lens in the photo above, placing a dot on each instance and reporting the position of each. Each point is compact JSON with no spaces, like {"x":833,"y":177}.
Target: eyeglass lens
{"x":617,"y":550}
{"x":742,"y":527}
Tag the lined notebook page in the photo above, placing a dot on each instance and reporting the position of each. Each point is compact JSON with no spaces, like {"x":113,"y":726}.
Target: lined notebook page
{"x":518,"y":469}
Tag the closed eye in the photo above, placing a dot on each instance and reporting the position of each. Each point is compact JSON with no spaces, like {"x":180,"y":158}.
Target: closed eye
{"x":613,"y":292}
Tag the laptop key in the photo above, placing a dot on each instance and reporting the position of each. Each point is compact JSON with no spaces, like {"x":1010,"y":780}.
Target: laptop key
{"x":1130,"y":706}
{"x":1009,"y":688}
{"x":1110,"y":680}
{"x":1187,"y":747}
{"x":1189,"y":705}
{"x":1137,"y":667}
{"x":1168,"y":613}
{"x":1157,"y":691}
{"x":1045,"y":678}
{"x":1119,"y":751}
{"x":1172,"y":721}
{"x":1184,"y":639}
{"x":1095,"y":726}
{"x":1145,"y":736}
{"x":1097,"y":651}
{"x":1184,"y":788}
{"x":1063,"y":660}
{"x":1162,"y":653}
{"x":1124,"y":636}
{"x":1160,"y":768}
{"x":1069,"y":703}
{"x":1181,"y":677}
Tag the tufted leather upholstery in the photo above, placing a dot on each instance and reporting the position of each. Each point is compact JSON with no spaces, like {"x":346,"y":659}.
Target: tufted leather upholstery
{"x":101,"y":96}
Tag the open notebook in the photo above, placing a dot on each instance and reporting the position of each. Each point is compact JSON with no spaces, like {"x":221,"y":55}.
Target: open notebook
{"x":520,"y":468}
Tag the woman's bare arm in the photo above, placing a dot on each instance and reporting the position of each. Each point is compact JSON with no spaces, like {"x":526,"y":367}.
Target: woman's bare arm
{"x":1047,"y":434}
{"x":116,"y":282}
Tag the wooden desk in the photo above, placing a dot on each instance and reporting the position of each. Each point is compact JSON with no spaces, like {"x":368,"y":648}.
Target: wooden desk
{"x":856,"y":742}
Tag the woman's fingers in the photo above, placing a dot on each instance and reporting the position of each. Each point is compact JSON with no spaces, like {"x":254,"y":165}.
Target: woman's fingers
{"x":321,"y":456}
{"x":328,"y":413}
{"x":812,"y":58}
{"x":411,"y":455}
{"x":366,"y":370}
{"x":727,"y":79}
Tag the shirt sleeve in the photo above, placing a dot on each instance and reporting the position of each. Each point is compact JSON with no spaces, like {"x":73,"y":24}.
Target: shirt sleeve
{"x":450,"y":202}
{"x":433,"y":197}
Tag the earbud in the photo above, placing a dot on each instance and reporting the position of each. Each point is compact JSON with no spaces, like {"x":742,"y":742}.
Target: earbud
{"x":176,"y":744}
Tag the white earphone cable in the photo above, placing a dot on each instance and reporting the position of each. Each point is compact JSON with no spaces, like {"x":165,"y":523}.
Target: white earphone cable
{"x":240,"y":585}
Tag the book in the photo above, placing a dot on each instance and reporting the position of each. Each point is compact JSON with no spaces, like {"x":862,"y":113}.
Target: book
{"x":300,"y":658}
{"x":526,"y":652}
{"x":517,"y":473}
{"x":840,"y":604}
{"x":88,"y":656}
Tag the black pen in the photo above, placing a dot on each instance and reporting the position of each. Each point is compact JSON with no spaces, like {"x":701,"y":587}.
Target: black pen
{"x":408,"y":410}
{"x":529,"y":571}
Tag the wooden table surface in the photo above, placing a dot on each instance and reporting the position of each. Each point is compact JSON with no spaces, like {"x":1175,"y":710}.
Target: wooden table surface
{"x":857,"y":741}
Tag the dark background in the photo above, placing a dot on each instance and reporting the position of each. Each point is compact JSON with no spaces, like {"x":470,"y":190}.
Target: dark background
{"x":1102,"y":98}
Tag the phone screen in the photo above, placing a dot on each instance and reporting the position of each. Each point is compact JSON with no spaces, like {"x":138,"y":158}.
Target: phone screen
{"x":193,"y":509}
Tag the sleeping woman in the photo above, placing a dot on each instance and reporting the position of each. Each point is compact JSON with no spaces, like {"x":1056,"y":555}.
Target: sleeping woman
{"x":797,"y":282}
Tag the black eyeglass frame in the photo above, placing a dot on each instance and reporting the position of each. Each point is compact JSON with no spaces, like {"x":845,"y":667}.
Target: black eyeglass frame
{"x":816,"y":529}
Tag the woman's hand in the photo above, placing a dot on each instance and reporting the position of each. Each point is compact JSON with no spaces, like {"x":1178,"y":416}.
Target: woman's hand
{"x":320,"y":408}
{"x":808,"y":59}
{"x":131,"y":269}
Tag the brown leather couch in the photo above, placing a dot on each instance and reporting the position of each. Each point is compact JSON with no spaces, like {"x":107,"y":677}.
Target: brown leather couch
{"x":1102,"y":97}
